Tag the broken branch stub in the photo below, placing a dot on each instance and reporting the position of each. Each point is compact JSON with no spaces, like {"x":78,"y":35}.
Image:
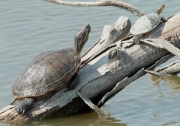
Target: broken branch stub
{"x":172,"y":69}
{"x":111,"y":34}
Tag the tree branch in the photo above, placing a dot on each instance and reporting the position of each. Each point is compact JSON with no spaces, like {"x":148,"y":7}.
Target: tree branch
{"x":115,"y":3}
{"x":102,"y":74}
{"x":171,"y":69}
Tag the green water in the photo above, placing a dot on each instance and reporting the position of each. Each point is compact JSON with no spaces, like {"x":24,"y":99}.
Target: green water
{"x":30,"y":27}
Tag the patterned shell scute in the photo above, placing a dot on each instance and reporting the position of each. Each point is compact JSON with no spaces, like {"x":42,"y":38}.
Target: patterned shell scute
{"x":145,"y":24}
{"x":47,"y":72}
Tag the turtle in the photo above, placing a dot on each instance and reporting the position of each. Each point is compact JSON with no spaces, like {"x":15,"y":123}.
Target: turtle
{"x":146,"y":24}
{"x":49,"y":72}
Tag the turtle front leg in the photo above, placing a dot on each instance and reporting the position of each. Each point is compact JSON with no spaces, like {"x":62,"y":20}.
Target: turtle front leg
{"x":23,"y":105}
{"x":73,"y":81}
{"x":137,"y":38}
{"x":164,"y":19}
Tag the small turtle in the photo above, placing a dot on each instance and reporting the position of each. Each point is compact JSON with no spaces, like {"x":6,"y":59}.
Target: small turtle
{"x":146,"y":24}
{"x":49,"y":72}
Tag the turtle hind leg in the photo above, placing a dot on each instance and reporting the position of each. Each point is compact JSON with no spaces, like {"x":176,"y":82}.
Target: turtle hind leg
{"x":23,"y":105}
{"x":73,"y":81}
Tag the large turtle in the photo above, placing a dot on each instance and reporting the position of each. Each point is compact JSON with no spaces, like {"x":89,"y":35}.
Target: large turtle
{"x":48,"y":72}
{"x":146,"y":24}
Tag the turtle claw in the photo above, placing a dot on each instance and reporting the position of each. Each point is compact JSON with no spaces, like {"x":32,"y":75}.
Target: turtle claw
{"x":23,"y":111}
{"x":21,"y":106}
{"x":18,"y":108}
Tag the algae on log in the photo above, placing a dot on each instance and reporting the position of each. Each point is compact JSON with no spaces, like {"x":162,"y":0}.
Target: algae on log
{"x":101,"y":74}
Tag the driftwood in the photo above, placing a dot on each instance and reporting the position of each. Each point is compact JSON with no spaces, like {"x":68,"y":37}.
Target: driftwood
{"x":107,"y":69}
{"x":171,"y":69}
{"x":101,"y":75}
{"x":115,"y":3}
{"x":110,"y":35}
{"x":48,"y":107}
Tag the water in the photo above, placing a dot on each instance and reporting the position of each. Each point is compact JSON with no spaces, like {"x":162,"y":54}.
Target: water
{"x":30,"y":27}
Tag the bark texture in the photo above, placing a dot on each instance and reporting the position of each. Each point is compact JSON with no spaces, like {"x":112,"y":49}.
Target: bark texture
{"x":102,"y":73}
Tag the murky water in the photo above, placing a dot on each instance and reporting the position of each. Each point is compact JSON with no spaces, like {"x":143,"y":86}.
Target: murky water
{"x":30,"y":27}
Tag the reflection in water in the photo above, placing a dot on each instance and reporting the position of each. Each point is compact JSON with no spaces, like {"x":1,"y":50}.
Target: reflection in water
{"x":173,"y":80}
{"x":90,"y":119}
{"x":28,"y":28}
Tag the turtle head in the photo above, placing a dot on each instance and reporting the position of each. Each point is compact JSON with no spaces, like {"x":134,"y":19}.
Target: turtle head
{"x":160,"y":9}
{"x":81,"y":38}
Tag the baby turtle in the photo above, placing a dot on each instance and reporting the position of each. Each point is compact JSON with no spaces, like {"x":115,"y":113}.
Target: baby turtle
{"x":146,"y":24}
{"x":49,"y":72}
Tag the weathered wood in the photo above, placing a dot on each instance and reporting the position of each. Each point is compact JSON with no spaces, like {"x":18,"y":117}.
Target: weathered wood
{"x":101,"y":74}
{"x":102,"y":112}
{"x":126,"y":81}
{"x":111,"y":34}
{"x":171,"y":69}
{"x":45,"y":107}
{"x":163,"y":44}
{"x":115,"y":3}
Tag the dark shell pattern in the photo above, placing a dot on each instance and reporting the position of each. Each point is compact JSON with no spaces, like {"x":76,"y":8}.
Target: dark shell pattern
{"x":47,"y":72}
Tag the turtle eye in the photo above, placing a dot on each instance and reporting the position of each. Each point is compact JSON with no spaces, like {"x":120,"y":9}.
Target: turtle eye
{"x":112,"y":54}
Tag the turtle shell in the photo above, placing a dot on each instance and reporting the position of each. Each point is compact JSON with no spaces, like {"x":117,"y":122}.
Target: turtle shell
{"x":47,"y":72}
{"x":145,"y":24}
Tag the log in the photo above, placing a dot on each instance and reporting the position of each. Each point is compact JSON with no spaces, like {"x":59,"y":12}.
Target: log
{"x":110,"y":34}
{"x":61,"y":101}
{"x":171,"y":69}
{"x":101,"y":74}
